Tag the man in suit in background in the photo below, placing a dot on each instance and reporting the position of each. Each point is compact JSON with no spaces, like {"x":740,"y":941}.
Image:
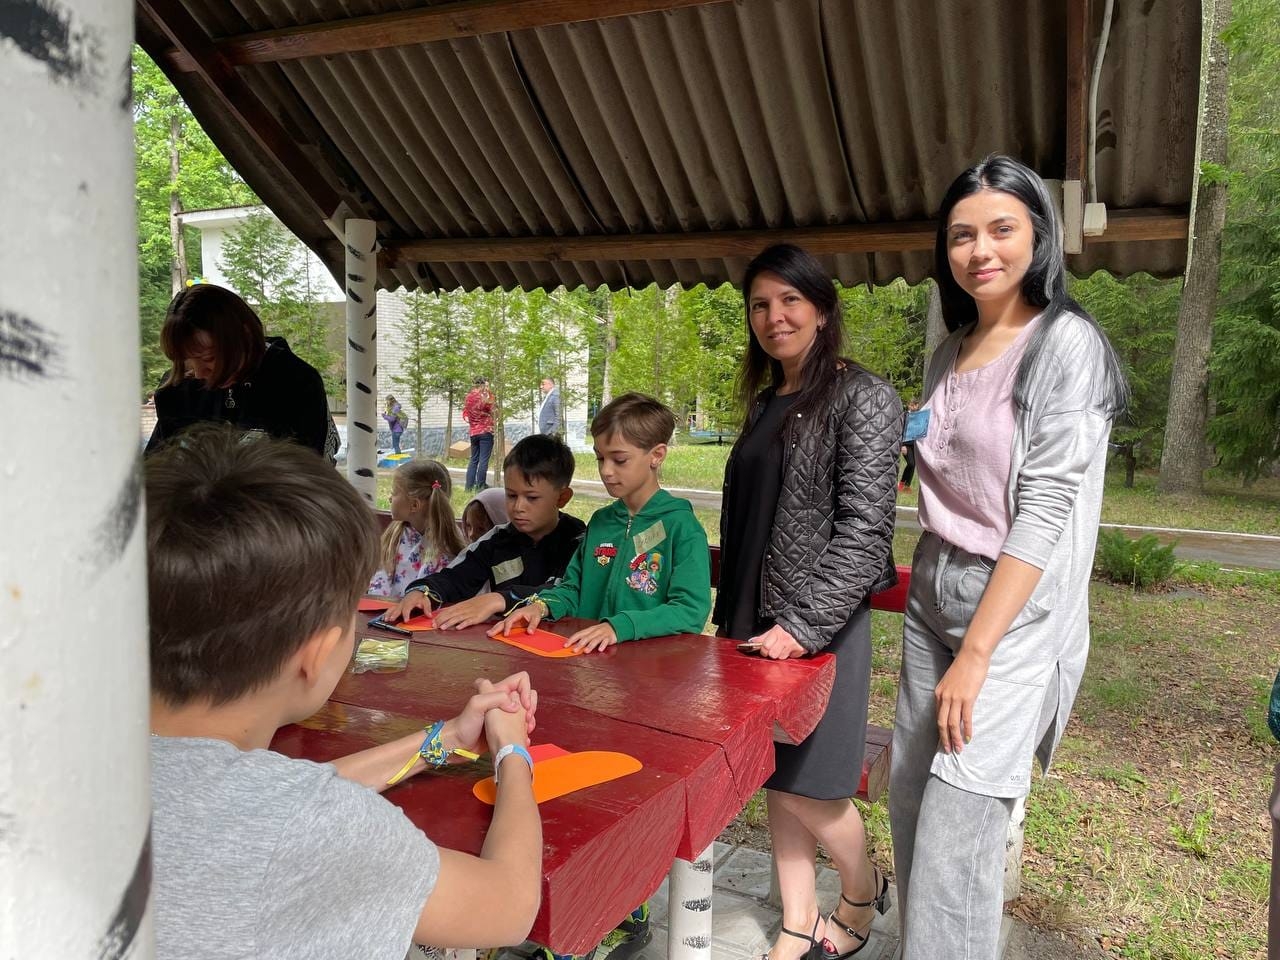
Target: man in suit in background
{"x":549,"y":412}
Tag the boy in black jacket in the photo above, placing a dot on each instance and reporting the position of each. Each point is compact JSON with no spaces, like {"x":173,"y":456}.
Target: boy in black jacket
{"x":516,"y":558}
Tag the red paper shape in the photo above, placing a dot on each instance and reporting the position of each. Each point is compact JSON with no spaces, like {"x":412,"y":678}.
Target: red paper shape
{"x":423,"y":621}
{"x":542,"y":642}
{"x":370,"y":604}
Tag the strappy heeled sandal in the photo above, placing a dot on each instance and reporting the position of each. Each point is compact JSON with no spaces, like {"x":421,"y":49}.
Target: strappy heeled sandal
{"x":815,"y":951}
{"x":881,"y":904}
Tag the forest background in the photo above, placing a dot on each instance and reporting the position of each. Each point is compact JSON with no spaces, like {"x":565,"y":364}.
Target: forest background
{"x":683,"y":345}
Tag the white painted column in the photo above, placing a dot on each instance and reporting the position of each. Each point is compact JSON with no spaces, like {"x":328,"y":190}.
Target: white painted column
{"x":689,"y":908}
{"x":361,"y":283}
{"x":75,"y":806}
{"x":1013,"y":850}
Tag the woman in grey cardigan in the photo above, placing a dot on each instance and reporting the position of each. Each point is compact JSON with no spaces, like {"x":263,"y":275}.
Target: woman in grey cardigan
{"x":1021,"y":398}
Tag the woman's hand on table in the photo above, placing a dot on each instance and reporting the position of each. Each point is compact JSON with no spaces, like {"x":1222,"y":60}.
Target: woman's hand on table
{"x":528,"y":616}
{"x":598,"y":637}
{"x":955,"y":695}
{"x":404,"y":610}
{"x":777,"y":644}
{"x":515,"y":694}
{"x":468,"y":613}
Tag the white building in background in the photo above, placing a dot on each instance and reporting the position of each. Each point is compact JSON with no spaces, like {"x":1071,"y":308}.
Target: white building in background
{"x":215,"y":225}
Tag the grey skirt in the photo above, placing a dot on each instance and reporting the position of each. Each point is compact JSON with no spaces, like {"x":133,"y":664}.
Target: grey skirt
{"x":827,"y":765}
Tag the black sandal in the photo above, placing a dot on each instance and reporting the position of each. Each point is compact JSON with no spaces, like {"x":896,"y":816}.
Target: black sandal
{"x":816,"y":949}
{"x":881,"y":904}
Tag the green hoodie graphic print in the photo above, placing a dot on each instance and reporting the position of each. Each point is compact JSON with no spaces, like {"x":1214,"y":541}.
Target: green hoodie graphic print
{"x":646,"y":576}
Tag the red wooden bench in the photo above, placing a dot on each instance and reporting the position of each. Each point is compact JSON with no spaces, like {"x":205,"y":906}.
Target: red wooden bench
{"x":875,"y":755}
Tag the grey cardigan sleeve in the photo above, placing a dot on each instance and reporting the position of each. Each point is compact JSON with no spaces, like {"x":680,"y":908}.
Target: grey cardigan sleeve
{"x":1065,"y":431}
{"x":867,"y":444}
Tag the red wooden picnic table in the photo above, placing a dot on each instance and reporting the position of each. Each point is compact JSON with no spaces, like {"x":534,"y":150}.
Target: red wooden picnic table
{"x":699,"y":715}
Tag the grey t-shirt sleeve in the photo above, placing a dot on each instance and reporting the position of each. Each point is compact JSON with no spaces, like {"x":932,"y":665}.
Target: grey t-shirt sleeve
{"x":349,"y":871}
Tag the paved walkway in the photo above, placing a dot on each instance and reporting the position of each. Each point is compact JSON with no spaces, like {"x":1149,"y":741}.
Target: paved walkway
{"x":744,"y":923}
{"x":1244,"y":550}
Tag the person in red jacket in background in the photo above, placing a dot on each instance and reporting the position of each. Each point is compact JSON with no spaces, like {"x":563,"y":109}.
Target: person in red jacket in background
{"x":477,"y":410}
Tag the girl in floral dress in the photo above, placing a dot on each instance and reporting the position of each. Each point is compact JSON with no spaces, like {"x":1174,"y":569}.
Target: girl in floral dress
{"x":423,"y":535}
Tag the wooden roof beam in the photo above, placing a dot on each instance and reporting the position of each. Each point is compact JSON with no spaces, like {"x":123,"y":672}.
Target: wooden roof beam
{"x":449,"y":21}
{"x":171,"y":18}
{"x":1158,"y":223}
{"x":1077,"y":118}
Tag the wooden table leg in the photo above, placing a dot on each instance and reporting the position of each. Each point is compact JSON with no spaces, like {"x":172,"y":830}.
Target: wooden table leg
{"x":689,"y":908}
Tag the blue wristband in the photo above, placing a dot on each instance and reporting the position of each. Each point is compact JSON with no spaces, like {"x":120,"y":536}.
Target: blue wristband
{"x":508,"y":750}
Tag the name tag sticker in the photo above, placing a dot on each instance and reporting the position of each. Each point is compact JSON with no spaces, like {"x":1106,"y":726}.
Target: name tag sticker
{"x":917,"y":426}
{"x":508,"y":570}
{"x":648,"y":539}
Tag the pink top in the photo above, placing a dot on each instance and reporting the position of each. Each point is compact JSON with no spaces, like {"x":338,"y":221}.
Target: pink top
{"x":963,"y":459}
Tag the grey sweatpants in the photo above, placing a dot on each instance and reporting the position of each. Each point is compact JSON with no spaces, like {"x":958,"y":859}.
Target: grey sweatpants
{"x":950,"y":813}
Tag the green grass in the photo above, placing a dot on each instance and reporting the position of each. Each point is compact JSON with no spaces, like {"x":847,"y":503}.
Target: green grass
{"x":694,"y":466}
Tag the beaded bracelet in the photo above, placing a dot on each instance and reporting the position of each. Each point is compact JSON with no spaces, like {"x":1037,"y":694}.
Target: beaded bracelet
{"x":432,"y":752}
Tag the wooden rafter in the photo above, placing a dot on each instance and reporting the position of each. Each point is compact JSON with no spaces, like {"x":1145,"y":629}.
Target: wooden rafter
{"x":170,"y":18}
{"x":449,"y":21}
{"x":1125,"y":225}
{"x":1077,"y":105}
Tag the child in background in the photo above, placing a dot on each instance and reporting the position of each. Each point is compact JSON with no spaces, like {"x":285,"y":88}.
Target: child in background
{"x":515,"y":559}
{"x":642,"y":569}
{"x":251,"y":627}
{"x":423,"y":536}
{"x":486,"y":510}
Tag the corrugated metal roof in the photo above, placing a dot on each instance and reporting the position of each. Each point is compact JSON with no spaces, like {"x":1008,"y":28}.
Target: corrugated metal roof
{"x":738,"y":115}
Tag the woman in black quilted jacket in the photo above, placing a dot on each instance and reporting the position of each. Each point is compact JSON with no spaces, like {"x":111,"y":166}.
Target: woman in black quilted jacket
{"x":806,"y":533}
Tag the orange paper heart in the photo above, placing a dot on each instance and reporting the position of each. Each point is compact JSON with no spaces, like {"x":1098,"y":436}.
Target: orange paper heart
{"x":559,"y":775}
{"x":370,"y":604}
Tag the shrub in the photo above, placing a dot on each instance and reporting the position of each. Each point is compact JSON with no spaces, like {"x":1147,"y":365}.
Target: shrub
{"x":1143,"y":562}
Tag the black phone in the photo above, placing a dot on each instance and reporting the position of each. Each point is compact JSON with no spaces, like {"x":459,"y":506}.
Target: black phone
{"x":750,"y":646}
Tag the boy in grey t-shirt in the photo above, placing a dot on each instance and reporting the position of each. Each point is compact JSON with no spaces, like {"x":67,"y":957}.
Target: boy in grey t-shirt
{"x":257,"y":855}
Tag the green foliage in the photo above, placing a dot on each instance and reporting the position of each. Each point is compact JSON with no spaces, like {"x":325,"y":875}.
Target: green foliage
{"x":884,"y":331}
{"x":436,"y":360}
{"x":204,"y":180}
{"x":1139,"y":315}
{"x":1245,"y":366}
{"x":658,"y":349}
{"x":1143,"y":562}
{"x":272,"y":270}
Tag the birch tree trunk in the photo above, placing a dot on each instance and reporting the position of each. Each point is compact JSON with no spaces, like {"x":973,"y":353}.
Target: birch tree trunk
{"x":178,"y":273}
{"x":1185,"y":446}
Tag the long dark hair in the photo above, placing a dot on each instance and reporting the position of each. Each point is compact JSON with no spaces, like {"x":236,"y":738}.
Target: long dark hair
{"x":800,"y":269}
{"x":1044,"y":285}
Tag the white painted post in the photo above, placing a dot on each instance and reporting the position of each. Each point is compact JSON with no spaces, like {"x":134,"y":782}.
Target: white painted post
{"x":689,"y":908}
{"x":361,"y":283}
{"x":75,"y":805}
{"x":1013,"y":850}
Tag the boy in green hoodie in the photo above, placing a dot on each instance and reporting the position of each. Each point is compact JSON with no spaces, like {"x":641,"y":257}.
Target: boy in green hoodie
{"x":642,"y":570}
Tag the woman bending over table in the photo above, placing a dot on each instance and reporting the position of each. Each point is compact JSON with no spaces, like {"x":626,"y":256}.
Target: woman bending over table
{"x":1020,"y":399}
{"x":807,"y":531}
{"x":225,"y":369}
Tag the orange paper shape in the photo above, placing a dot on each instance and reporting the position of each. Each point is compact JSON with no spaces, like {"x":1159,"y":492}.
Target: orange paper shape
{"x":542,"y":642}
{"x":563,"y":774}
{"x":370,"y":604}
{"x":423,"y":621}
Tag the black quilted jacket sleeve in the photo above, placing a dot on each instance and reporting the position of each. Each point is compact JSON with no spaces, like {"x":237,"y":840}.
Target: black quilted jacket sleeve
{"x":839,"y":524}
